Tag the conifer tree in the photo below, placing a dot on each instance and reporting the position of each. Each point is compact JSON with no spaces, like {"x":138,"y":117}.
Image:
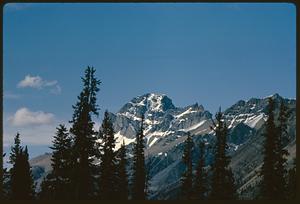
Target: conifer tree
{"x":223,"y":185}
{"x":139,"y":170}
{"x":268,"y":184}
{"x":187,"y":177}
{"x":122,"y":178}
{"x":15,"y":150}
{"x":108,"y":182}
{"x":28,"y":182}
{"x":83,"y":149}
{"x":57,"y":183}
{"x":22,"y":185}
{"x":47,"y":189}
{"x":292,"y":182}
{"x":200,"y":189}
{"x":280,"y":153}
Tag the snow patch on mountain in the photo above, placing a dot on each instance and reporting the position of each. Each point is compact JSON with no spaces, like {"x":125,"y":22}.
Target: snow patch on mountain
{"x":120,"y":139}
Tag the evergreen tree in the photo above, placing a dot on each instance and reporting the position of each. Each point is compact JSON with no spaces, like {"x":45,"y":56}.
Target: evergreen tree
{"x":280,"y":154}
{"x":122,"y":193}
{"x":223,"y":186}
{"x":268,"y":184}
{"x":187,"y":178}
{"x":15,"y":150}
{"x":273,"y":172}
{"x":83,"y":149}
{"x":22,"y":185}
{"x":139,"y":170}
{"x":108,"y":182}
{"x":47,"y":188}
{"x":200,"y":189}
{"x":57,"y":183}
{"x":291,"y":182}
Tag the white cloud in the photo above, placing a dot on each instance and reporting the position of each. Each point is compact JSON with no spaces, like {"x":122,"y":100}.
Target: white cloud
{"x":41,"y":134}
{"x":38,"y":83}
{"x":31,"y":81}
{"x":25,"y":117}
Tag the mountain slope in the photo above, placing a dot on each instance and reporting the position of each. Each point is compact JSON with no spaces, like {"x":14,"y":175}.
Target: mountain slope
{"x":166,"y":127}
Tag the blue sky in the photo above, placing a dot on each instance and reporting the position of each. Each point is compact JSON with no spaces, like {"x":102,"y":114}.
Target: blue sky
{"x":213,"y":54}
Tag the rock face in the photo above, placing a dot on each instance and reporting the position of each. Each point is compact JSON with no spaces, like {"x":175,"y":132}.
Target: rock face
{"x":162,"y":120}
{"x":166,"y":128}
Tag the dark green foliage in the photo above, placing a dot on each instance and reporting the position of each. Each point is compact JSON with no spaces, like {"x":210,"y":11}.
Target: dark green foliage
{"x":107,"y":181}
{"x":223,"y":186}
{"x":273,"y":172}
{"x":122,"y":180}
{"x":139,"y":171}
{"x":292,"y":182}
{"x":200,"y":184}
{"x":15,"y":150}
{"x":22,"y":186}
{"x":268,"y":175}
{"x":187,"y":177}
{"x":83,"y":135}
{"x":58,"y":180}
{"x":281,"y":154}
{"x":47,"y":190}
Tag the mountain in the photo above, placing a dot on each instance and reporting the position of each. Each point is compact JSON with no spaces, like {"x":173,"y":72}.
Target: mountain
{"x":166,"y":128}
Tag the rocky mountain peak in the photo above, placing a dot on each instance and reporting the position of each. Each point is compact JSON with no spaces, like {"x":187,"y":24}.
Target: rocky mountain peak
{"x":147,"y":103}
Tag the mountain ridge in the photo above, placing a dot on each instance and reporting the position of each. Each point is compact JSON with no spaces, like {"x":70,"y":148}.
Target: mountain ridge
{"x":165,"y":131}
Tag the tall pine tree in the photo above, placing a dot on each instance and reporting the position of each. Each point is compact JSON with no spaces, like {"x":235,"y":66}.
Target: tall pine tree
{"x":57,"y":183}
{"x":22,"y":185}
{"x":223,"y":186}
{"x":268,"y":184}
{"x":292,"y":182}
{"x":139,"y":170}
{"x":187,"y":178}
{"x":83,"y":150}
{"x":108,"y":176}
{"x":273,"y":172}
{"x":200,"y":184}
{"x":122,"y":178}
{"x":281,"y":153}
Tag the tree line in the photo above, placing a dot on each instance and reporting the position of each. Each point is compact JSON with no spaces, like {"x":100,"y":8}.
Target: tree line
{"x":86,"y":166}
{"x":276,"y":181}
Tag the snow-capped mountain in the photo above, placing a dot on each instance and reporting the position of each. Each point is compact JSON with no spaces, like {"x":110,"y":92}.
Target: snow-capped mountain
{"x":166,"y":128}
{"x":162,"y":119}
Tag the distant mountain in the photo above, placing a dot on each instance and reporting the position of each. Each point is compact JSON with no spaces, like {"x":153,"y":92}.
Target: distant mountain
{"x":166,"y":128}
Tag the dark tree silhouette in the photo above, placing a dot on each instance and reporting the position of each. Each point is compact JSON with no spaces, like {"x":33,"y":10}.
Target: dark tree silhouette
{"x":281,"y":154}
{"x":139,"y":170}
{"x":292,"y":182}
{"x":57,"y":184}
{"x":268,"y":184}
{"x":47,"y":190}
{"x":273,"y":172}
{"x":122,"y":178}
{"x":223,"y":185}
{"x":15,"y":150}
{"x":83,"y":150}
{"x":200,"y":184}
{"x":22,"y":186}
{"x":187,"y":177}
{"x":107,"y":181}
